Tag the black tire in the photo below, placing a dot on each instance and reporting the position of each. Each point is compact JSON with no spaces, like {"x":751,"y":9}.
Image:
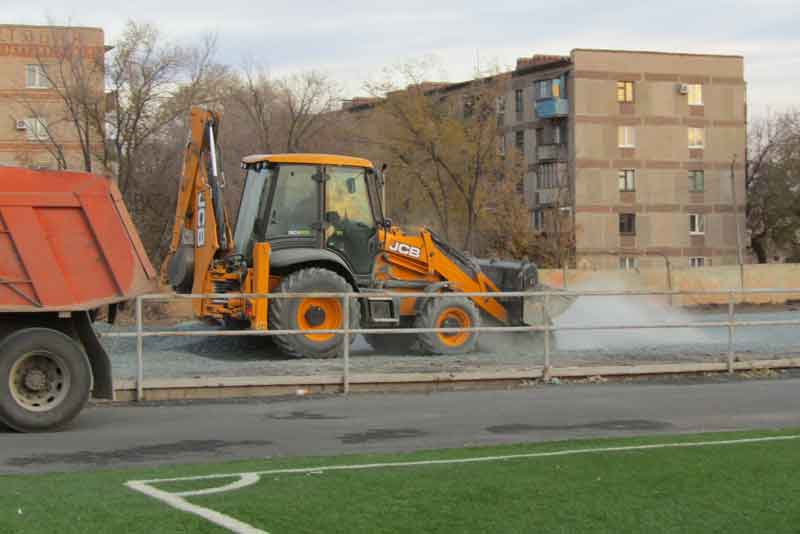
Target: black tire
{"x":284,"y":314}
{"x":430,"y":316}
{"x":51,"y":380}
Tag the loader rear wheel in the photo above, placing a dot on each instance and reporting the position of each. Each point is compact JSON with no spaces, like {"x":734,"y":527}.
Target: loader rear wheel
{"x":312,"y":314}
{"x":448,"y":312}
{"x":45,"y":380}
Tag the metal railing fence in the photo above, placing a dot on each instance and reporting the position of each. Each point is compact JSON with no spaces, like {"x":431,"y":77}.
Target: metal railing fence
{"x":734,"y":295}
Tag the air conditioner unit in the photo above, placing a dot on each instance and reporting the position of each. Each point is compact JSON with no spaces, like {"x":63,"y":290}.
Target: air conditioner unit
{"x":683,"y":88}
{"x":21,"y":125}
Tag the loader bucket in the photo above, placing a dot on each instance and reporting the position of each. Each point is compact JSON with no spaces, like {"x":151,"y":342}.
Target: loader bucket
{"x":534,"y":312}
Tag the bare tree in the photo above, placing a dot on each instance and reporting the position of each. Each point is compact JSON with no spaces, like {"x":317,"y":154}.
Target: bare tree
{"x":255,"y":95}
{"x":307,"y":100}
{"x":73,"y":72}
{"x":151,"y":84}
{"x":773,"y":185}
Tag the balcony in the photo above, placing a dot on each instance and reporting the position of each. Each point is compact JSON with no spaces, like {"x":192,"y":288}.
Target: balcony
{"x":550,"y":108}
{"x":551,"y":152}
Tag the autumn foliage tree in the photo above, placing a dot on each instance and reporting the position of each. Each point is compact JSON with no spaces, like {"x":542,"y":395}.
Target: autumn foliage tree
{"x":447,"y":165}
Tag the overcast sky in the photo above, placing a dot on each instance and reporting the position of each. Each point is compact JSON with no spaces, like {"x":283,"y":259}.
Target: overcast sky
{"x":353,"y":40}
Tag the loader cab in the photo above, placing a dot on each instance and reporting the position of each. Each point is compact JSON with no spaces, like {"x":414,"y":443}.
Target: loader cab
{"x":314,"y":202}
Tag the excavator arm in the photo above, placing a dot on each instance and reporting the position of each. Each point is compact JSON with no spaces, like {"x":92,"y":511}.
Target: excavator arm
{"x":201,"y":229}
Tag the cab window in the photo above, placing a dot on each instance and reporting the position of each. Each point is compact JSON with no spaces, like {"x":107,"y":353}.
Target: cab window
{"x":295,"y":205}
{"x":349,"y":218}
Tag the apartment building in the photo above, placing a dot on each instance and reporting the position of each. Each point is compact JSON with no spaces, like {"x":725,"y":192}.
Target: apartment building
{"x":630,"y":153}
{"x":634,"y":152}
{"x":35,"y":130}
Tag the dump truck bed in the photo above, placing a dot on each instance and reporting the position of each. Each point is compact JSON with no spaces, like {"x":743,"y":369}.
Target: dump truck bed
{"x":67,"y":243}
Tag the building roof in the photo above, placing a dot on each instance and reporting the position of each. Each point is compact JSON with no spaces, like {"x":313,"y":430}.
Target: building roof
{"x":540,"y":62}
{"x":310,"y":159}
{"x":655,"y":52}
{"x":49,"y":27}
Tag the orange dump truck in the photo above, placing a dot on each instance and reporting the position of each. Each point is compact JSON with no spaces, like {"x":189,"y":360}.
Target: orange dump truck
{"x":68,"y":249}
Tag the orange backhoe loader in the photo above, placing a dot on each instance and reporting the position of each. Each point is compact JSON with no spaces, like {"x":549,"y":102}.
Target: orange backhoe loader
{"x":311,"y":223}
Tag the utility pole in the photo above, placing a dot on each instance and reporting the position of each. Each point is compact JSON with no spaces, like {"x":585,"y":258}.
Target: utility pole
{"x":738,"y":225}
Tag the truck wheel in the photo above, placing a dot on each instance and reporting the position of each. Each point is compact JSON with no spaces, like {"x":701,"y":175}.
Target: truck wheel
{"x":312,"y":314}
{"x":45,"y":380}
{"x":448,"y":312}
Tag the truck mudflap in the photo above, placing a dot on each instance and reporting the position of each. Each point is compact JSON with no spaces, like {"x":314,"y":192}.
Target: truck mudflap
{"x":533,"y":310}
{"x":102,"y":385}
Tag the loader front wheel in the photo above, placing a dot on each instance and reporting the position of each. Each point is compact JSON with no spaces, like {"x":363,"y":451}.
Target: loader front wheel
{"x":311,"y":314}
{"x":448,"y":312}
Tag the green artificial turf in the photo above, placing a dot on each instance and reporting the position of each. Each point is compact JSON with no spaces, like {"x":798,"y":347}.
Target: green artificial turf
{"x":749,"y":487}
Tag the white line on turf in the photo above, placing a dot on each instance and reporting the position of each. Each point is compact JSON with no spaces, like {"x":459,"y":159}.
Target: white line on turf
{"x":245,"y":479}
{"x":248,"y":478}
{"x":179,"y":503}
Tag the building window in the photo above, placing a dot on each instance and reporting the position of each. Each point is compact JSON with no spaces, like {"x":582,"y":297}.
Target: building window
{"x":538,"y":220}
{"x":469,"y":106}
{"x":697,"y":181}
{"x":544,"y":89}
{"x":695,"y":94}
{"x":36,"y":129}
{"x":519,"y":140}
{"x":627,"y":224}
{"x":500,"y":105}
{"x":500,"y":110}
{"x":698,"y":262}
{"x":627,"y":180}
{"x":626,"y":136}
{"x":624,"y":91}
{"x":501,"y":146}
{"x":628,"y":263}
{"x":697,"y":224}
{"x":36,"y":77}
{"x":558,"y":134}
{"x":696,"y":137}
{"x":518,"y":103}
{"x":547,"y":176}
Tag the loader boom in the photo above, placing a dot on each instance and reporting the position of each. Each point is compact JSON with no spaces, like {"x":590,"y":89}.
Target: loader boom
{"x":201,"y":229}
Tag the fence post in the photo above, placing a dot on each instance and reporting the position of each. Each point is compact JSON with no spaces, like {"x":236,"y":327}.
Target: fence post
{"x":139,"y":351}
{"x":346,"y":355}
{"x":546,"y":316}
{"x":731,"y":315}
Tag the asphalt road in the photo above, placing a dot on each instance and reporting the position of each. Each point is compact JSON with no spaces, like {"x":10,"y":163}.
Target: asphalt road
{"x":107,"y":436}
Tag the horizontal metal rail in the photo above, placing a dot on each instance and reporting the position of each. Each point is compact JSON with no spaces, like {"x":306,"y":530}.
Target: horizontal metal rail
{"x":731,"y":323}
{"x":451,"y":330}
{"x":486,"y":294}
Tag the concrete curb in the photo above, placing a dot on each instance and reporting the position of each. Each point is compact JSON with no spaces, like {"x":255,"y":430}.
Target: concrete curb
{"x":205,"y":388}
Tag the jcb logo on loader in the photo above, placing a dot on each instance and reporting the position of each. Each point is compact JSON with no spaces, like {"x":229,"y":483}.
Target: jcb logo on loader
{"x":201,"y":219}
{"x":407,"y":250}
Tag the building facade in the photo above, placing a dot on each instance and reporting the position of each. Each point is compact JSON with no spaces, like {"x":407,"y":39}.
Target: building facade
{"x":640,"y":155}
{"x":35,"y":127}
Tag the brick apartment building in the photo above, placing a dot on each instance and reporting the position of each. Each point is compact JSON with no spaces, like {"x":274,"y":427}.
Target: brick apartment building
{"x":31,"y":112}
{"x":631,"y":150}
